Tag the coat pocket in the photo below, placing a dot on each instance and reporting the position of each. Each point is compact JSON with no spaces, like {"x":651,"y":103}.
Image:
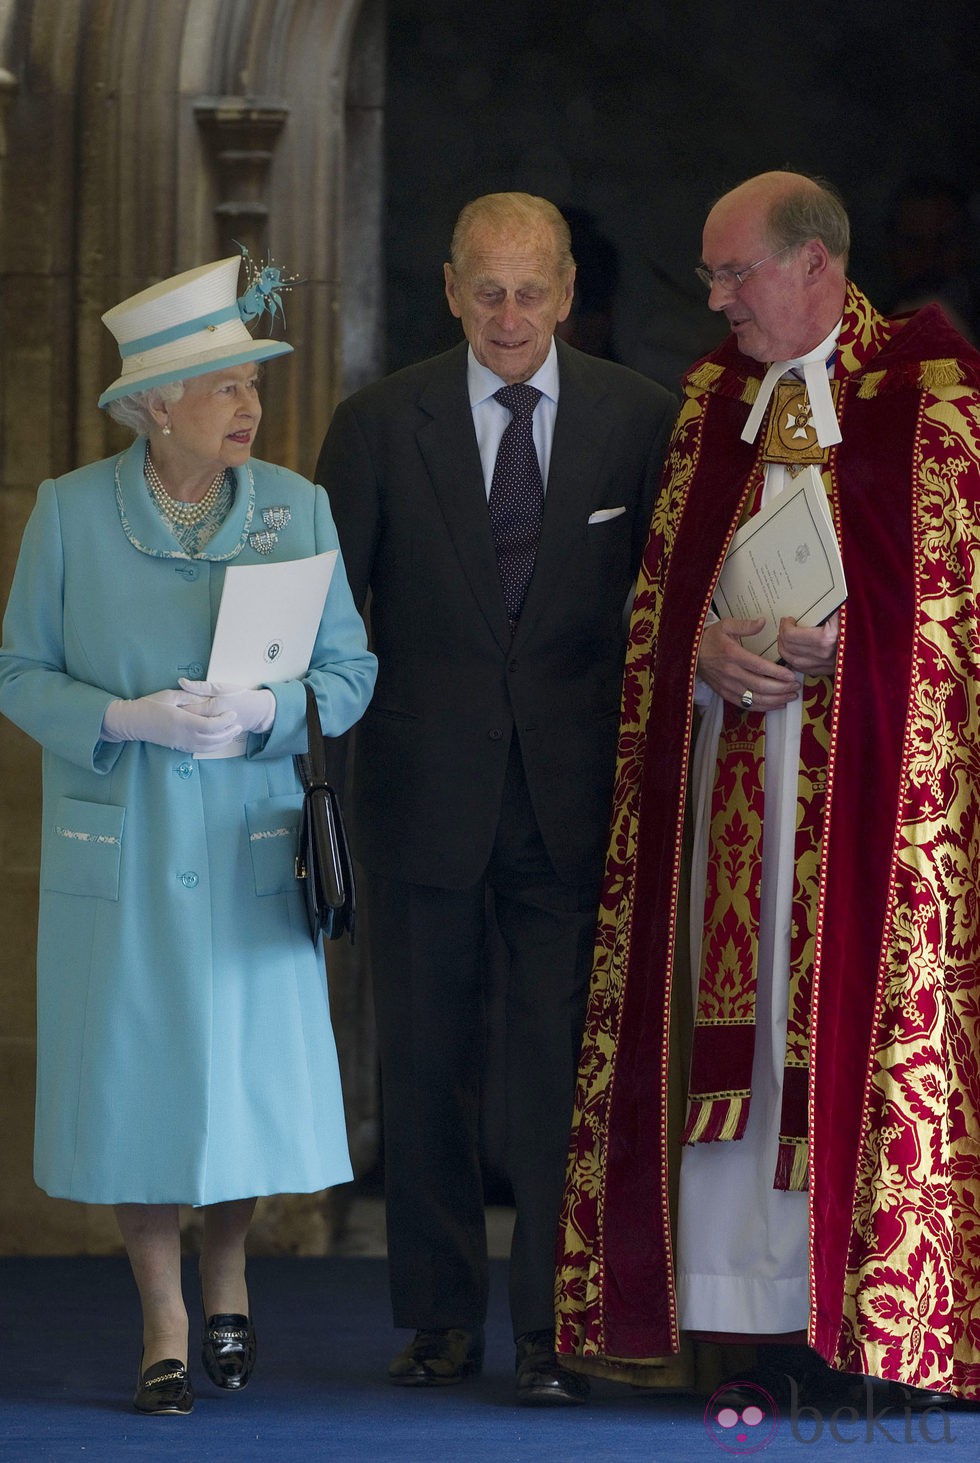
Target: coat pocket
{"x":273,"y":839}
{"x":84,"y":850}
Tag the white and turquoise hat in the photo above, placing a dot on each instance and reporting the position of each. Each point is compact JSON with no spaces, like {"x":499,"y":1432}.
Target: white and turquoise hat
{"x":191,"y":324}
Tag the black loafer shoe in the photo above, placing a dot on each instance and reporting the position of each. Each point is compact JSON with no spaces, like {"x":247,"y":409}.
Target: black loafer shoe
{"x":438,"y":1358}
{"x":815,"y":1385}
{"x":920,"y":1399}
{"x":228,"y":1351}
{"x":164,"y":1388}
{"x":541,"y":1379}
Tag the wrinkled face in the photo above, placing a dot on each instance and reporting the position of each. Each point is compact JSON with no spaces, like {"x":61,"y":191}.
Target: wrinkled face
{"x":214,"y":423}
{"x":509,"y":295}
{"x":770,"y":313}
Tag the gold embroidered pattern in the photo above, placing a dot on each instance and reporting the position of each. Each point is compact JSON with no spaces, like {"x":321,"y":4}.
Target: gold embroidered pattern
{"x":912,"y":1289}
{"x":791,"y":437}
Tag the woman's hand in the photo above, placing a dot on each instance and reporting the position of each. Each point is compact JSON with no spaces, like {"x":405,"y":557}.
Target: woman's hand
{"x":255,"y":711}
{"x":169,"y":719}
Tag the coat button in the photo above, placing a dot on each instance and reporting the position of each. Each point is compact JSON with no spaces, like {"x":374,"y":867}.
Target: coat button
{"x":190,"y":880}
{"x":193,"y":671}
{"x":187,"y":571}
{"x":495,"y":734}
{"x":184,"y":769}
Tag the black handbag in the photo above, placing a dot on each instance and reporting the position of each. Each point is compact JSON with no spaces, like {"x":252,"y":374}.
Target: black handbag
{"x":323,"y":861}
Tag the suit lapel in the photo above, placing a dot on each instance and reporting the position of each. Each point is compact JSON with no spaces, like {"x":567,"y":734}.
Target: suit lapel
{"x":578,"y":450}
{"x":447,"y":443}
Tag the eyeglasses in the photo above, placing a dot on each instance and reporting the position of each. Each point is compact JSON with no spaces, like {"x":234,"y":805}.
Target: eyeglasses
{"x":733,"y":279}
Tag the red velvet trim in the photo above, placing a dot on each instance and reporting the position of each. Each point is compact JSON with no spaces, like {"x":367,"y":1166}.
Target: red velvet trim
{"x":725,"y":1049}
{"x":793,"y":1118}
{"x":873,"y":682}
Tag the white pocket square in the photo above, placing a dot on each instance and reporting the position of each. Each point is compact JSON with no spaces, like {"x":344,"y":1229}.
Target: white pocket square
{"x":603,"y":515}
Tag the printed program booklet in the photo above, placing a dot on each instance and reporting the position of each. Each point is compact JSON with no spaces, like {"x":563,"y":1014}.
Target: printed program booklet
{"x":784,"y":561}
{"x":267,"y":624}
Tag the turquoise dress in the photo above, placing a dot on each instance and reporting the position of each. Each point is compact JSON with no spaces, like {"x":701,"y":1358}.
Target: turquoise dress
{"x":185,"y":1052}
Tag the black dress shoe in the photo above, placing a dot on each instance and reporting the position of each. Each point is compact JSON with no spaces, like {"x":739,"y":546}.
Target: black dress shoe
{"x":542,"y":1381}
{"x":228,"y":1350}
{"x":799,"y":1377}
{"x":921,"y":1399}
{"x":747,"y":1390}
{"x":438,"y":1358}
{"x":164,"y":1388}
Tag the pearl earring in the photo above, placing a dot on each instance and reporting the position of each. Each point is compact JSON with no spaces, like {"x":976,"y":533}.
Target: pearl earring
{"x":166,"y":431}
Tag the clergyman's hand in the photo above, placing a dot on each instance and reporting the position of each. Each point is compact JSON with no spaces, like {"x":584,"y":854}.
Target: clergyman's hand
{"x":732,"y":671}
{"x":811,"y":650}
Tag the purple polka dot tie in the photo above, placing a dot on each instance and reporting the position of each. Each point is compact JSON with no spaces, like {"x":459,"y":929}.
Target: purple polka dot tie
{"x":516,"y":496}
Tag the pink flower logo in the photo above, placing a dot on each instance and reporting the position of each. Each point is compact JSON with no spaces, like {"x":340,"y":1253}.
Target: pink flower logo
{"x":747,"y":1428}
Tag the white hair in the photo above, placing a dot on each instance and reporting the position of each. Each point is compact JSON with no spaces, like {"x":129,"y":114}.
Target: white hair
{"x":133,"y":411}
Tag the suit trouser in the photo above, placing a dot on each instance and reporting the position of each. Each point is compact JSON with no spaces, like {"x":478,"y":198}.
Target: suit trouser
{"x":428,"y":958}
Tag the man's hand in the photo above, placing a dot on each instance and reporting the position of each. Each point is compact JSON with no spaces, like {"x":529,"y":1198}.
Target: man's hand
{"x":811,"y":651}
{"x":731,"y":670}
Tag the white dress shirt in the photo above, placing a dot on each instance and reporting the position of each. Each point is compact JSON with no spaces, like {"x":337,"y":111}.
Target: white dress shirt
{"x":490,"y":418}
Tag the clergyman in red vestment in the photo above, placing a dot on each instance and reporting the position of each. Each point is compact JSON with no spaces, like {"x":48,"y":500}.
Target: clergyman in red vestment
{"x":820,"y":918}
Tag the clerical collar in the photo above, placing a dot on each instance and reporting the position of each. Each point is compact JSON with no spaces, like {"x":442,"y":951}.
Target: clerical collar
{"x":814,"y":367}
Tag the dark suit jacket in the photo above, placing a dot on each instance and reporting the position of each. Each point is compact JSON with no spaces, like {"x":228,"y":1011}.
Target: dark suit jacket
{"x":401,"y":465}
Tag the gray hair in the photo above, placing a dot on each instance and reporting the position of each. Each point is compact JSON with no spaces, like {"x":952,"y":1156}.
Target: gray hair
{"x":813,"y":210}
{"x":523,"y":209}
{"x":133,"y":411}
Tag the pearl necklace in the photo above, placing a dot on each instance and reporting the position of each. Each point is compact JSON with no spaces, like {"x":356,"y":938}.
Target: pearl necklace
{"x":176,"y":509}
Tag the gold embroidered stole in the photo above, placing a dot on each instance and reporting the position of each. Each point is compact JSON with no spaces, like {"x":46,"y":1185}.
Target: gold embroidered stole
{"x":724,"y":1020}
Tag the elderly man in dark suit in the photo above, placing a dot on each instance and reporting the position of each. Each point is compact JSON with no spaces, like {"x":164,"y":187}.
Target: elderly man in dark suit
{"x":498,"y":532}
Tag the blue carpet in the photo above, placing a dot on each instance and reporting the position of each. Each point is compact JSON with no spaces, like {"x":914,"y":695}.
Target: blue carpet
{"x":69,"y":1351}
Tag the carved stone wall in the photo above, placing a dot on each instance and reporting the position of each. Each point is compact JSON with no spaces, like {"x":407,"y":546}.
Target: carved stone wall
{"x":143,"y":138}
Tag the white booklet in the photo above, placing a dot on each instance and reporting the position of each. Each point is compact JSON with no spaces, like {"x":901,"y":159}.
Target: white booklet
{"x":267,"y":625}
{"x":784,"y":561}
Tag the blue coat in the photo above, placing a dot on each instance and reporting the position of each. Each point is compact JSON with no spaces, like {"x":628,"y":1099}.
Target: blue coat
{"x":185,"y":1052}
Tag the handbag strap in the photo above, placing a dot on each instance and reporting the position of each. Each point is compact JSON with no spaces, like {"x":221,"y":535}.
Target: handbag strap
{"x":313,"y":766}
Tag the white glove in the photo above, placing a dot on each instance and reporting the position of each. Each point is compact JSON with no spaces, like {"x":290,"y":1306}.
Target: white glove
{"x":255,"y":711}
{"x":164,"y":718}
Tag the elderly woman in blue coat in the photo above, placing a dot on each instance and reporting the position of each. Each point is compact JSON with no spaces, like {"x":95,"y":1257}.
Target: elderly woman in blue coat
{"x":185,"y":1053}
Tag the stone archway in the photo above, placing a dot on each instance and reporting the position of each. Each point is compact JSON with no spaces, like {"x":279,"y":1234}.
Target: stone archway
{"x":141,"y":138}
